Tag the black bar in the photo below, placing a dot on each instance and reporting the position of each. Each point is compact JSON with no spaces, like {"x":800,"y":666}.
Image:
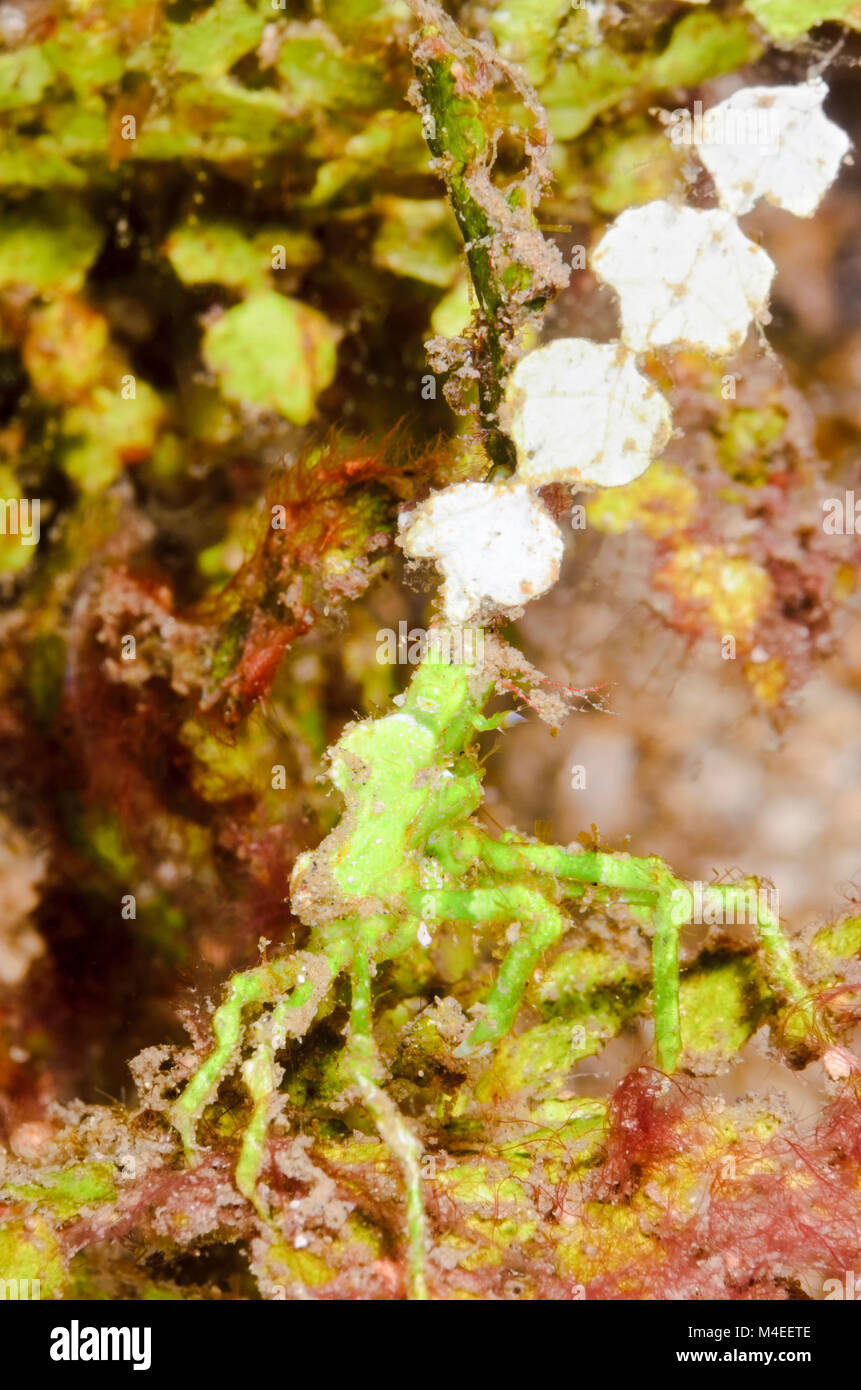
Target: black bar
{"x":609,"y":1340}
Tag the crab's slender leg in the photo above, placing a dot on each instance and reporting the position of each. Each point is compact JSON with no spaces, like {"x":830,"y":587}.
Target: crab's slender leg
{"x":364,"y":1064}
{"x":263,"y":984}
{"x":645,"y":881}
{"x":540,"y":929}
{"x":665,"y":985}
{"x":642,"y":881}
{"x":541,"y":924}
{"x":262,"y":1075}
{"x":804,"y":1024}
{"x":777,"y":957}
{"x":639,"y":879}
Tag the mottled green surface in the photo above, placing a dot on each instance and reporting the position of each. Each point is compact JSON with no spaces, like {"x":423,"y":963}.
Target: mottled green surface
{"x":218,"y":239}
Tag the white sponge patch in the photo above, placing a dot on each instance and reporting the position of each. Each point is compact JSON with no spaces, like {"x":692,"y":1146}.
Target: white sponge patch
{"x":774,"y":143}
{"x":683,"y":275}
{"x":580,"y":413}
{"x":496,"y":545}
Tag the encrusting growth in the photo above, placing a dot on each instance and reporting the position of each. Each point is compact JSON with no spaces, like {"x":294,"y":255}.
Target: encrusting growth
{"x":466,"y":1061}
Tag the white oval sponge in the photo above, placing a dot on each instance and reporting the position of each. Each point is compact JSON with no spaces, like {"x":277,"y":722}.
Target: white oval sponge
{"x":496,"y":545}
{"x":580,"y":413}
{"x":683,"y":275}
{"x":775,"y":143}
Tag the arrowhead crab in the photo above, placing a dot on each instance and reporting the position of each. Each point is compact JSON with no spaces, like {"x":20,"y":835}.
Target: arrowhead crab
{"x":408,"y":852}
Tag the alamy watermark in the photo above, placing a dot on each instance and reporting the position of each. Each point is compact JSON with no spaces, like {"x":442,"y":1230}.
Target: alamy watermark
{"x":726,"y":905}
{"x":16,"y":1289}
{"x":21,"y":517}
{"x":847,"y":1289}
{"x":758,"y":125}
{"x":76,"y":1343}
{"x":841,"y":516}
{"x":410,"y":646}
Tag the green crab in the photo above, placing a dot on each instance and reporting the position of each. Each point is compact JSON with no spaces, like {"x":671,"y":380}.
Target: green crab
{"x":408,"y":853}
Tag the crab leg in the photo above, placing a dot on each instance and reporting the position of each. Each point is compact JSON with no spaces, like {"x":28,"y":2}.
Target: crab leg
{"x":364,"y":1064}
